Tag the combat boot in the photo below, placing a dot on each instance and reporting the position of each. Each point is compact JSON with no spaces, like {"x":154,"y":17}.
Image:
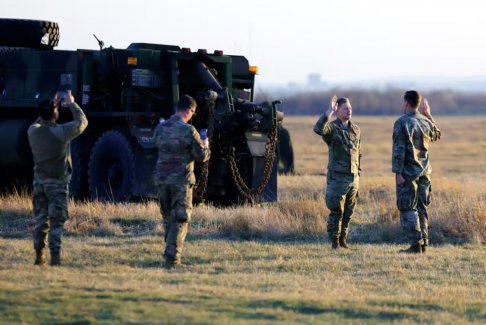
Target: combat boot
{"x":424,"y":248}
{"x":171,"y":262}
{"x":40,"y":257}
{"x":55,"y":258}
{"x":414,"y":249}
{"x":343,"y":241}
{"x":335,"y":243}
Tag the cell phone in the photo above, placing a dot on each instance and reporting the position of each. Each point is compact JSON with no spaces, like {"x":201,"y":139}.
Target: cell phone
{"x":62,"y":94}
{"x":204,"y":134}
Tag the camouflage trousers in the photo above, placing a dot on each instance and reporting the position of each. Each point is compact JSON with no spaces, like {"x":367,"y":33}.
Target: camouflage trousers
{"x":50,"y":202}
{"x":176,"y":209}
{"x":413,"y":198}
{"x":341,"y":195}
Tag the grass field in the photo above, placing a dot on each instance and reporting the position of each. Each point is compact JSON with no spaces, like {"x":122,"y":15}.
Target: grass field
{"x":270,"y":263}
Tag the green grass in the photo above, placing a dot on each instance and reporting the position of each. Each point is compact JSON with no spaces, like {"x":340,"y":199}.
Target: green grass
{"x":123,"y":280}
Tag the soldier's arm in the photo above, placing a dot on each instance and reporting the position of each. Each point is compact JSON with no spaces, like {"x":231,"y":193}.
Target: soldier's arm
{"x":323,"y":127}
{"x":157,"y":136}
{"x":74,"y":128}
{"x":199,"y":151}
{"x":399,"y":147}
{"x":435,"y":133}
{"x":359,"y":156}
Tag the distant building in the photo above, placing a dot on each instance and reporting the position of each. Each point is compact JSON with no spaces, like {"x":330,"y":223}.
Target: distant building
{"x":314,"y":80}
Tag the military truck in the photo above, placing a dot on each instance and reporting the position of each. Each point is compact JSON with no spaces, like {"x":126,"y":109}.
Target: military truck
{"x":125,"y":94}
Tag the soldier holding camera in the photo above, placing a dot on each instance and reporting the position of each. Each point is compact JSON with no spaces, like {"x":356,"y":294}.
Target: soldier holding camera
{"x":50,"y":144}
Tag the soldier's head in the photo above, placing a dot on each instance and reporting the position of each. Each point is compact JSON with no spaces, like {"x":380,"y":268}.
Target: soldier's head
{"x":48,"y":110}
{"x":344,"y":109}
{"x":186,"y":107}
{"x":411,"y":100}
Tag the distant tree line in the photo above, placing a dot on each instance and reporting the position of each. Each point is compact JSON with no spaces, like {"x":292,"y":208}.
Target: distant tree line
{"x":388,"y":102}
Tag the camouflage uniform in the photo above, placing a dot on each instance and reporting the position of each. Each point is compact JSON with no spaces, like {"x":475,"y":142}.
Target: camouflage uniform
{"x":344,"y":141}
{"x":179,"y":144}
{"x":51,"y":149}
{"x":412,"y":134}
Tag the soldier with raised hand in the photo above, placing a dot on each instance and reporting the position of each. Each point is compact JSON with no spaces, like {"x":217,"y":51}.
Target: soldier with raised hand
{"x":412,"y":134}
{"x":179,"y":144}
{"x":344,"y":141}
{"x":51,"y":150}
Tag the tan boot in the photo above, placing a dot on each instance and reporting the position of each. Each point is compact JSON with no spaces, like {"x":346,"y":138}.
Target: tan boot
{"x":40,"y":257}
{"x":424,"y":248}
{"x":343,"y":241}
{"x":171,"y":262}
{"x":335,"y":243}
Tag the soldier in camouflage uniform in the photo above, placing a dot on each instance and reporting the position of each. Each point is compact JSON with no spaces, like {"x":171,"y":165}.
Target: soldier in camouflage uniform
{"x":50,"y":144}
{"x":179,"y":144}
{"x":412,"y":134}
{"x":344,"y":140}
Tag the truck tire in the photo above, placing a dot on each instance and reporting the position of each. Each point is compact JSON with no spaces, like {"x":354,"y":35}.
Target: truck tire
{"x":37,"y":34}
{"x":285,"y":152}
{"x":111,"y":168}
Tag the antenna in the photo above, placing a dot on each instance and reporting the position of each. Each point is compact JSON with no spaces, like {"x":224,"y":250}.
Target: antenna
{"x":100,"y":42}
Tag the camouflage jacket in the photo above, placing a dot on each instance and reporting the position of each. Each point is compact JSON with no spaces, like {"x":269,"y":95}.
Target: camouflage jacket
{"x":50,"y":144}
{"x":179,"y":144}
{"x":412,"y":134}
{"x":344,"y":144}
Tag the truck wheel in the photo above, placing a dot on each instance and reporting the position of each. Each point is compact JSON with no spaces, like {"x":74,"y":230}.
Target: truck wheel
{"x":285,"y":152}
{"x":111,"y":168}
{"x":38,"y":34}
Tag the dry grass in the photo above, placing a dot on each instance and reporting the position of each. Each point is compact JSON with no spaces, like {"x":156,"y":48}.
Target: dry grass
{"x":458,"y":214}
{"x":268,"y":263}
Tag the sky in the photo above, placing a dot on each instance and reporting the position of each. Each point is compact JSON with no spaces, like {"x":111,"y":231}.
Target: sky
{"x":342,"y":40}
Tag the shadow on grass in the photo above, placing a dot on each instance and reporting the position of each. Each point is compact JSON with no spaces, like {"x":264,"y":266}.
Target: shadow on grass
{"x":346,"y":312}
{"x":16,"y":224}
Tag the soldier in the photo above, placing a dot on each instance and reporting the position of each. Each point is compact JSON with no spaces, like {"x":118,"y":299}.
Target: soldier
{"x":179,"y":144}
{"x":51,"y":149}
{"x":344,"y":140}
{"x":412,"y":134}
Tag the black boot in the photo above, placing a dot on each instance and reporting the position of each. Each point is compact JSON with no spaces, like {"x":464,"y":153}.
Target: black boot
{"x":414,"y":249}
{"x":343,"y":241}
{"x":55,"y":258}
{"x":40,"y":257}
{"x":335,"y":243}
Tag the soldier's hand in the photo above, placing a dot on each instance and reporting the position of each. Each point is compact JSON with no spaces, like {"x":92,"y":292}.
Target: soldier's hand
{"x":56,"y":100}
{"x":205,"y":142}
{"x":332,"y":106}
{"x":69,"y":97}
{"x":425,"y":108}
{"x":400,"y":180}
